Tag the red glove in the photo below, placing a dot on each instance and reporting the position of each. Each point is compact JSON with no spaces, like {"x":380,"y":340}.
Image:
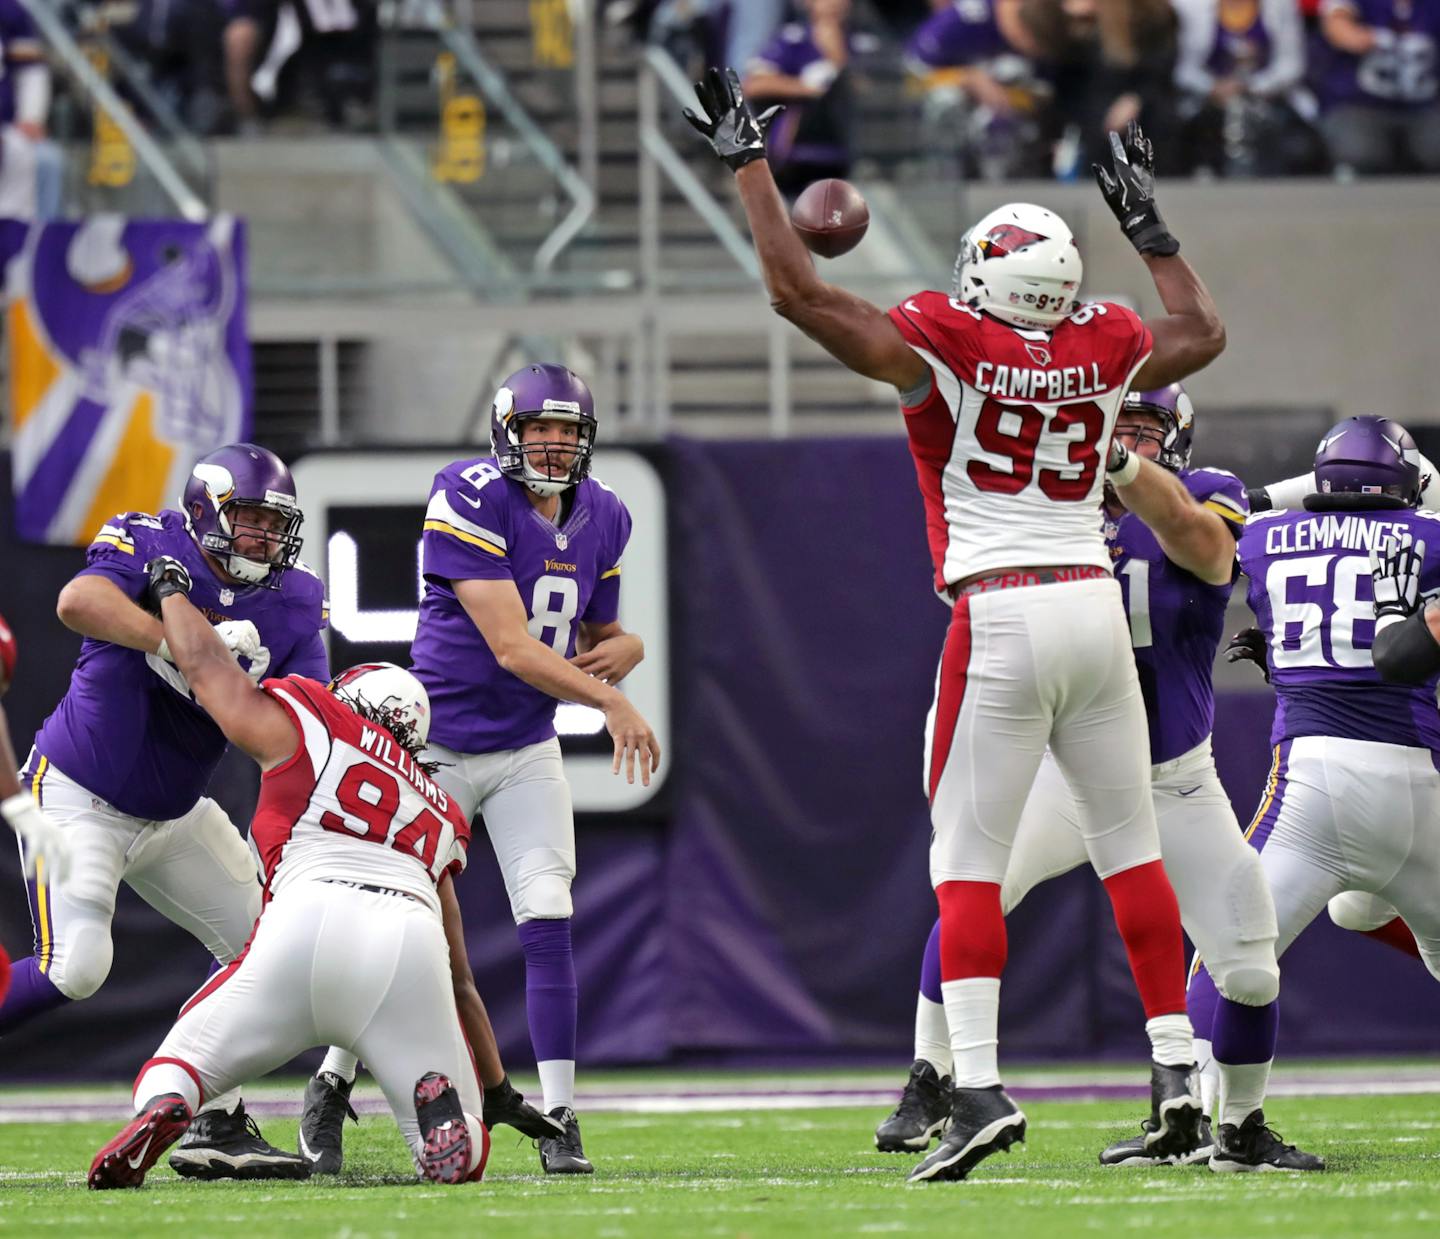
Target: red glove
{"x":8,"y":654}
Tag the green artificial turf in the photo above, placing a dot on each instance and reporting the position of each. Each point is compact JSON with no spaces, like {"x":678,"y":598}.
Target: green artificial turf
{"x":790,"y":1173}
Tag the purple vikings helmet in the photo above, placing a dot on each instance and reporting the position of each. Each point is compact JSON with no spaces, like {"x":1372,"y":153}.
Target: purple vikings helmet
{"x":1177,"y":423}
{"x":1372,"y":457}
{"x":226,"y":483}
{"x":542,"y":391}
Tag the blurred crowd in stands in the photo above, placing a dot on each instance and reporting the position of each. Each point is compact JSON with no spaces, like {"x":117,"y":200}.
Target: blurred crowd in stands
{"x":1000,"y":88}
{"x":1010,"y":88}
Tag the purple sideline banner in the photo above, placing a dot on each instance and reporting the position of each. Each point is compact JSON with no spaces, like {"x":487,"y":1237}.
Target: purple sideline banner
{"x":778,"y":909}
{"x":128,"y":360}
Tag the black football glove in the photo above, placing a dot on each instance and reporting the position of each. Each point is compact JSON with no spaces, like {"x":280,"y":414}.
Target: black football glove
{"x":1395,"y":569}
{"x":1249,"y":646}
{"x":167,"y":576}
{"x":1129,"y":188}
{"x":734,"y":132}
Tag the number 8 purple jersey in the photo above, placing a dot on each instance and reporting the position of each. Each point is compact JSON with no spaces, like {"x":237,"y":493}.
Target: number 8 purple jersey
{"x":481,"y":526}
{"x":1311,"y":590}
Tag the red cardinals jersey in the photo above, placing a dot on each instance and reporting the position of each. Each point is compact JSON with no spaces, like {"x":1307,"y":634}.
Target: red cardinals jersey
{"x":1010,"y":443}
{"x":352,"y":804}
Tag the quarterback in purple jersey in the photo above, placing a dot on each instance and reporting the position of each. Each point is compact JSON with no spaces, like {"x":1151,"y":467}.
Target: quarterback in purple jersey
{"x":522,"y":552}
{"x":123,"y":762}
{"x":1171,"y":534}
{"x":1353,"y":798}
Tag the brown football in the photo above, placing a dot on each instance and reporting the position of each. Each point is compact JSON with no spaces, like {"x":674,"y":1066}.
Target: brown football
{"x":830,"y":217}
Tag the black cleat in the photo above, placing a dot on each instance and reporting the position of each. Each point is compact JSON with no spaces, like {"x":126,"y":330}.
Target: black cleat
{"x":1200,"y":1155}
{"x":1173,"y":1128}
{"x":446,"y":1155}
{"x":322,"y":1126}
{"x":505,"y":1104}
{"x":982,"y":1121}
{"x":230,"y":1146}
{"x":139,"y":1144}
{"x":923,"y":1112}
{"x":1132,"y":1153}
{"x":564,"y":1154}
{"x":1254,"y":1146}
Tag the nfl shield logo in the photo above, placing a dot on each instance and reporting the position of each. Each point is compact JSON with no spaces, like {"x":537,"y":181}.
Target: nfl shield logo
{"x":227,"y":597}
{"x":561,"y":541}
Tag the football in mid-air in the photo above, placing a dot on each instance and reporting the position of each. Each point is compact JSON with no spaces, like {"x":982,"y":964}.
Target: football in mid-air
{"x":830,"y":217}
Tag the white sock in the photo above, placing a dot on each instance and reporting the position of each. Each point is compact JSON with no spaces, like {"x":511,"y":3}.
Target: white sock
{"x":341,"y":1062}
{"x":932,"y":1035}
{"x":557,"y":1082}
{"x":165,"y":1078}
{"x":226,"y":1101}
{"x":1244,"y":1090}
{"x":1172,"y":1041}
{"x":1209,"y":1076}
{"x":972,"y":1010}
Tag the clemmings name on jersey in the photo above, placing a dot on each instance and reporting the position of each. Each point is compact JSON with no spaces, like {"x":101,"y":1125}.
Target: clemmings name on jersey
{"x":1009,"y":440}
{"x":481,"y":525}
{"x":352,"y":805}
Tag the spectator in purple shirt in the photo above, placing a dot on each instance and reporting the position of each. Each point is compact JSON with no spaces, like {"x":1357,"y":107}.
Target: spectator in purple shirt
{"x":1379,"y":92}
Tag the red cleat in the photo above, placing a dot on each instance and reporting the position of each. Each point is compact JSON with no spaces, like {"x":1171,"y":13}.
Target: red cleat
{"x":124,"y":1161}
{"x":446,"y":1156}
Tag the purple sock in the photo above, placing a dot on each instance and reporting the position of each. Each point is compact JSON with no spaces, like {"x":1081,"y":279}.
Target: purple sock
{"x":1244,"y":1034}
{"x":930,"y":967}
{"x":31,"y":993}
{"x":551,"y":996}
{"x":1201,"y":999}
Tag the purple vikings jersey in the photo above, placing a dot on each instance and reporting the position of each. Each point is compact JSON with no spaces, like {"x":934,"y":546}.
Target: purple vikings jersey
{"x":961,"y":34}
{"x":1176,"y":619}
{"x":128,"y":730}
{"x":481,"y":525}
{"x":19,"y":46}
{"x":1242,"y":43}
{"x":1311,"y":591}
{"x":1400,"y":71}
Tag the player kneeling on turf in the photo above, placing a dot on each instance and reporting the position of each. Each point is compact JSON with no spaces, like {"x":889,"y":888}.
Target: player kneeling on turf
{"x":357,"y":846}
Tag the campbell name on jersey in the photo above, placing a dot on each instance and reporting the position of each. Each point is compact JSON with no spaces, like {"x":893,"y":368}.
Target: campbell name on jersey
{"x":1312,"y":593}
{"x":1009,"y":442}
{"x":128,"y":729}
{"x":351,"y":805}
{"x":1176,"y":619}
{"x":481,"y":525}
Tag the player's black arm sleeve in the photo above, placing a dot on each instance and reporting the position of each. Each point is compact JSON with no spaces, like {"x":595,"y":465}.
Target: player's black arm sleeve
{"x":1407,"y":652}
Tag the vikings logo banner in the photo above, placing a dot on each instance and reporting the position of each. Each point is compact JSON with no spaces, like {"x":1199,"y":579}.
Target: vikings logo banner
{"x":128,"y":359}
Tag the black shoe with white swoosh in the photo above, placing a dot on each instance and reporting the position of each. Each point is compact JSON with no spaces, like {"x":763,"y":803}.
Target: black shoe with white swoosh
{"x":982,"y":1121}
{"x":124,"y":1161}
{"x":229,"y":1146}
{"x":322,"y":1125}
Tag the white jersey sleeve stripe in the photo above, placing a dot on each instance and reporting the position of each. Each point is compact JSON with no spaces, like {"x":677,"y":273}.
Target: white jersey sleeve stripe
{"x":312,"y":730}
{"x":945,"y":380}
{"x":441,"y":510}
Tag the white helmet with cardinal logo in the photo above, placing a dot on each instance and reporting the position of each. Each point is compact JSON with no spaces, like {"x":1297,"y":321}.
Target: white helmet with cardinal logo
{"x":1021,"y":265}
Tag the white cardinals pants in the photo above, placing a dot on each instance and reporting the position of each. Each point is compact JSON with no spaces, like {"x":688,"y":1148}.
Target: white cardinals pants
{"x":1225,"y":904}
{"x":1352,"y":815}
{"x":1024,"y":668}
{"x":196,"y":870}
{"x":525,"y":800}
{"x":329,"y":964}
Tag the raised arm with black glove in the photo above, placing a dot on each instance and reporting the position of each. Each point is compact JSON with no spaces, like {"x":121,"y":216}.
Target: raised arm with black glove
{"x":734,"y":132}
{"x":1128,"y":186}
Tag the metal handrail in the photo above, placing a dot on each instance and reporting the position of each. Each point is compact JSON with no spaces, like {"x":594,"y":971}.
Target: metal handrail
{"x":666,"y":73}
{"x":187,"y":202}
{"x":492,"y":82}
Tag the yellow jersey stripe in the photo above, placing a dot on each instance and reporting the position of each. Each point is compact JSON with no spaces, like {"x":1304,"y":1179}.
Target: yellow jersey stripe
{"x":127,"y":547}
{"x":1229,"y":513}
{"x":1271,"y":784}
{"x":42,"y":894}
{"x":441,"y":527}
{"x":615,"y":571}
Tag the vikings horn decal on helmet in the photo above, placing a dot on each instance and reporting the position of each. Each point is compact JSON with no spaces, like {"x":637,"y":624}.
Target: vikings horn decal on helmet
{"x":394,"y":696}
{"x":1177,"y":423}
{"x":1369,"y":456}
{"x":1020,"y":264}
{"x":223,"y":491}
{"x":551,"y":392}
